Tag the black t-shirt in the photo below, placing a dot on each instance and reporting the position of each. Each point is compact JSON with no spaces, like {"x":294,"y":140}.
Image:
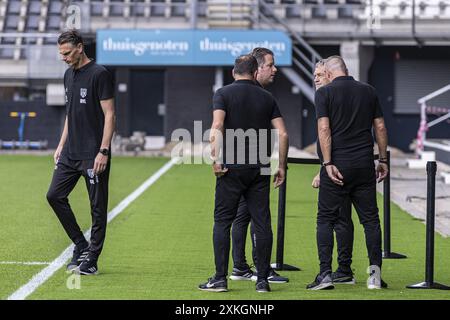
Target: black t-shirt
{"x":351,"y":106}
{"x":250,"y":108}
{"x":85,"y":88}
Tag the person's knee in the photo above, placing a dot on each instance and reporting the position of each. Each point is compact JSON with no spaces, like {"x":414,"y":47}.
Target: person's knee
{"x":53,"y":197}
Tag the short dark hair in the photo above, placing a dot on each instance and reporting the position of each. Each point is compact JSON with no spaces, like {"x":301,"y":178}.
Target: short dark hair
{"x":71,"y":36}
{"x":245,"y":64}
{"x":259,"y":53}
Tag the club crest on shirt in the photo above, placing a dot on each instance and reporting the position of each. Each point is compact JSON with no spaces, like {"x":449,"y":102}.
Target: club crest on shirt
{"x":83,"y":94}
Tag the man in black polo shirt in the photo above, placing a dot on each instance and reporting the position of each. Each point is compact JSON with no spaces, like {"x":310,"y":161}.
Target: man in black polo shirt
{"x":347,"y":110}
{"x":84,"y":149}
{"x":246,"y":108}
{"x":241,"y":269}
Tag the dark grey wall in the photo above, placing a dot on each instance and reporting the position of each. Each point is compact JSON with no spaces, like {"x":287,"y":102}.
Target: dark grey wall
{"x":47,"y":125}
{"x":188,"y":98}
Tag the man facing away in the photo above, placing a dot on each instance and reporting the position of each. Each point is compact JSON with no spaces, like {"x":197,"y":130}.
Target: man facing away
{"x":347,"y":110}
{"x":83,"y":150}
{"x":243,"y":106}
{"x":241,"y":269}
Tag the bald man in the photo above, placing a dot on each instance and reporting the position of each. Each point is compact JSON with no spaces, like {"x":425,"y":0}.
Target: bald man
{"x":346,"y":112}
{"x":344,"y":225}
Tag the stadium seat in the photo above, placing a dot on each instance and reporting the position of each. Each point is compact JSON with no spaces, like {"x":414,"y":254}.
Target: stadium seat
{"x":116,"y":8}
{"x":53,"y":23}
{"x":202,"y":8}
{"x":96,"y":9}
{"x":178,"y":9}
{"x":158,"y":8}
{"x":319,"y":12}
{"x":345,"y":12}
{"x":13,"y":7}
{"x":7,"y":53}
{"x":32,"y":23}
{"x":12,"y":22}
{"x":34,"y":7}
{"x":54,"y":7}
{"x":138,"y":8}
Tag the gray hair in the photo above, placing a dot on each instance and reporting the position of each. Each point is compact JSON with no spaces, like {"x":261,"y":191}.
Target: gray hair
{"x":336,"y":63}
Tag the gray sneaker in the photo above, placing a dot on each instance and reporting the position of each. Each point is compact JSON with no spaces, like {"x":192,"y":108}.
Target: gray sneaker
{"x":322,"y":282}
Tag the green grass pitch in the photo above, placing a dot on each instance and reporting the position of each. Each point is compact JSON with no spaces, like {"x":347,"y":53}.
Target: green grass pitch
{"x":160,"y":247}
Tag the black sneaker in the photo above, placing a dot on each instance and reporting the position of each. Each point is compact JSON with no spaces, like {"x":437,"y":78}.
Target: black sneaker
{"x":214,"y":285}
{"x":276,"y":278}
{"x":88,"y":266}
{"x":262,"y":286}
{"x":77,"y":258}
{"x":343,"y":278}
{"x":245,"y":275}
{"x":322,"y":282}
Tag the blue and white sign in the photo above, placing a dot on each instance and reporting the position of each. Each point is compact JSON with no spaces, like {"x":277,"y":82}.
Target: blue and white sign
{"x":187,"y":47}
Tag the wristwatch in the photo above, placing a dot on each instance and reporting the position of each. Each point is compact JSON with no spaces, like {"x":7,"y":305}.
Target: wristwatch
{"x":104,"y":151}
{"x":326,"y":163}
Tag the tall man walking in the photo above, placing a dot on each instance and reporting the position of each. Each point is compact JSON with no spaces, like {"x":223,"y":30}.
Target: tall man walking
{"x":347,"y":110}
{"x":84,"y":149}
{"x":243,"y":108}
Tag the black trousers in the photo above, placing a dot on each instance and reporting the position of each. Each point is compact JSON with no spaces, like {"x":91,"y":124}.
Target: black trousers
{"x":360,"y":187}
{"x":255,"y":187}
{"x":65,"y":177}
{"x":344,"y":236}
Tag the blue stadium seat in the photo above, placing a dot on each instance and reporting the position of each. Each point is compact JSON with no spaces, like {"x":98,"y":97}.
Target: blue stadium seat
{"x":116,"y":8}
{"x":55,"y":7}
{"x":179,"y":9}
{"x":159,"y":9}
{"x":34,"y":7}
{"x":32,"y":23}
{"x":137,"y":8}
{"x":345,"y":12}
{"x":13,"y":7}
{"x":7,"y":53}
{"x":202,"y":7}
{"x":96,"y":9}
{"x":53,"y":23}
{"x":11,"y":23}
{"x":319,"y":12}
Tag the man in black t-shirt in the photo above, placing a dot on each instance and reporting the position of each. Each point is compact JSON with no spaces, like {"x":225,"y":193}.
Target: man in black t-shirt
{"x":84,"y":149}
{"x":244,"y":111}
{"x":347,"y":110}
{"x":241,"y":269}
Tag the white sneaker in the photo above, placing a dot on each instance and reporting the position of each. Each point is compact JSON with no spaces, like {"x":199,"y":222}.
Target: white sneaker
{"x":374,"y":280}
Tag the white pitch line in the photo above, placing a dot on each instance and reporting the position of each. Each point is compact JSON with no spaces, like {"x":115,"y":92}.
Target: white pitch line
{"x":56,"y":264}
{"x":25,"y":263}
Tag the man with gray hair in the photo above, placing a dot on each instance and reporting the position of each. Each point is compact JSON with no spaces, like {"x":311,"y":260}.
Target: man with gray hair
{"x":344,"y":225}
{"x":346,"y":112}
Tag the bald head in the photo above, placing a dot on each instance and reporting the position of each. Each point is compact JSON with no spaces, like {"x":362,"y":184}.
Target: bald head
{"x":335,"y":67}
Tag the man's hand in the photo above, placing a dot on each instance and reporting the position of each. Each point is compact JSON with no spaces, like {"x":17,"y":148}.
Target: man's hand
{"x":316,"y":181}
{"x":100,"y":163}
{"x":382,"y":171}
{"x":57,"y":154}
{"x":279,"y":177}
{"x":334,"y":174}
{"x":218,"y":170}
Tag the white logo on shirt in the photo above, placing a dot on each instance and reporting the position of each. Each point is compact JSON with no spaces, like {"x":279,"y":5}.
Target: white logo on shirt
{"x":83,"y":94}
